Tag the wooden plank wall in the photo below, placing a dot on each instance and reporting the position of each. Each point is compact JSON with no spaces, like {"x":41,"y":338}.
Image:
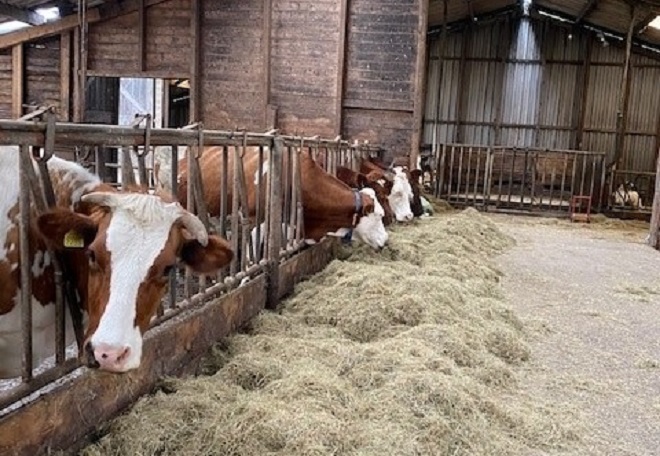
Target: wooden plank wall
{"x":305,"y":75}
{"x":329,"y":67}
{"x":232,"y":64}
{"x":5,"y":84}
{"x":380,"y":73}
{"x":114,"y":45}
{"x":42,"y":72}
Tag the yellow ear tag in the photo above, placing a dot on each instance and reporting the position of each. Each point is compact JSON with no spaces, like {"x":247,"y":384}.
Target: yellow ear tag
{"x":73,"y":240}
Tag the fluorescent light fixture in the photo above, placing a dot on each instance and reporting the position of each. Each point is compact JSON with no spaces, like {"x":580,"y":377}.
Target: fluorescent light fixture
{"x":12,"y":26}
{"x":655,"y":23}
{"x":49,"y":13}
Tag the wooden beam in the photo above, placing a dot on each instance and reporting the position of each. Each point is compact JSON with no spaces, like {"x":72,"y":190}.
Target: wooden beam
{"x":461,"y":99}
{"x":142,"y":35}
{"x":441,"y":63}
{"x":588,"y":8}
{"x":195,"y":73}
{"x":502,"y":54}
{"x":341,"y":65}
{"x":17,"y":79}
{"x":622,"y":113}
{"x":65,"y":76}
{"x":655,"y":212}
{"x":267,"y":32}
{"x":100,"y":13}
{"x":644,"y":23}
{"x":21,"y":14}
{"x":470,"y":9}
{"x":420,"y":79}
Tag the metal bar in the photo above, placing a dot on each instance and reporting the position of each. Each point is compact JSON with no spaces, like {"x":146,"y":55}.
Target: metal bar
{"x":259,"y":192}
{"x":451,"y":172}
{"x":467,"y":176}
{"x":26,"y":276}
{"x":440,"y":172}
{"x":235,"y":245}
{"x":460,"y":172}
{"x":583,"y":174}
{"x":499,"y":191}
{"x":476,"y":178}
{"x":524,"y":179}
{"x":513,"y":165}
{"x":275,"y":224}
{"x":553,"y":175}
{"x":563,"y":177}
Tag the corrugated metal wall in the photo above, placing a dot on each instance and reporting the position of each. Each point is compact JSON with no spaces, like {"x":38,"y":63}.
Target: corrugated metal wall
{"x":522,"y":82}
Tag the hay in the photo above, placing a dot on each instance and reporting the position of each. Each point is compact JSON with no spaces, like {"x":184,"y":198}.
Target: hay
{"x":408,"y":351}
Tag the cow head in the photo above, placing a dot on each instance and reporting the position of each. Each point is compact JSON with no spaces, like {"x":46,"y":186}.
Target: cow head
{"x":370,"y":228}
{"x":131,"y":241}
{"x":400,"y":196}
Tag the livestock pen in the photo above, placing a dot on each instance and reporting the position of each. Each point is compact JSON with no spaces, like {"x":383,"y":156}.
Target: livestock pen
{"x":196,"y":312}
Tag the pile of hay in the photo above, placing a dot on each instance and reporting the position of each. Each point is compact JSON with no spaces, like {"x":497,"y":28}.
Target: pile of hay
{"x":405,"y":352}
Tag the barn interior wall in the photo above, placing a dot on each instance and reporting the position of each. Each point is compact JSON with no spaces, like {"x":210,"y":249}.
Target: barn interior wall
{"x":232,"y":66}
{"x":527,"y":82}
{"x":114,"y":45}
{"x":5,"y":83}
{"x":328,"y":67}
{"x":379,"y":89}
{"x":305,"y":74}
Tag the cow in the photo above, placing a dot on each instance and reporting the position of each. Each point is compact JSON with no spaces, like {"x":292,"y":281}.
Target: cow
{"x":328,"y":203}
{"x":374,"y":181}
{"x":627,"y":195}
{"x":119,"y":248}
{"x":374,"y":164}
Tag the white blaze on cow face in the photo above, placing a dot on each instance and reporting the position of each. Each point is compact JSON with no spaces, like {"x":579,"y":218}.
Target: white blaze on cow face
{"x":136,"y":235}
{"x":370,"y":228}
{"x":400,"y":196}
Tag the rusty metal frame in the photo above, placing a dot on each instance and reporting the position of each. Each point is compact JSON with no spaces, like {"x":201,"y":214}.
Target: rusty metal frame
{"x":528,"y":179}
{"x":282,"y":153}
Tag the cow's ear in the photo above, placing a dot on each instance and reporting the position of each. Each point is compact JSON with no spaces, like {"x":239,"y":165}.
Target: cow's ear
{"x":416,"y":174}
{"x":206,"y":259}
{"x":65,"y":229}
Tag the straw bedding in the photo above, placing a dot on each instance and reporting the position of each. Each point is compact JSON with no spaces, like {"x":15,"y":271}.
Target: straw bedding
{"x":410,"y":351}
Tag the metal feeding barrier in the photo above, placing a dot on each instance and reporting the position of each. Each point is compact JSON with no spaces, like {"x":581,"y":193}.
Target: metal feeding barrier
{"x":517,"y":179}
{"x":261,"y":240}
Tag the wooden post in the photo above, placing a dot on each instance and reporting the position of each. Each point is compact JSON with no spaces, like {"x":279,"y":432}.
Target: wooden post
{"x":441,"y":64}
{"x":655,"y":214}
{"x":267,"y":31}
{"x":420,"y":82}
{"x":195,"y":73}
{"x":502,"y":50}
{"x":581,"y":93}
{"x":341,"y":64}
{"x":622,"y":113}
{"x":142,"y":36}
{"x":274,"y":222}
{"x":17,"y":70}
{"x":65,"y":76}
{"x":461,"y":99}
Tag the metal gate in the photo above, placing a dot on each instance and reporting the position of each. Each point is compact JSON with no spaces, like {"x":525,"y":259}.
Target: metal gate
{"x":517,"y":179}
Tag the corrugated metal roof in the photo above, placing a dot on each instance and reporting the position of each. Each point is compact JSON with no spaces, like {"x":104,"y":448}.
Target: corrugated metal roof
{"x":612,"y":15}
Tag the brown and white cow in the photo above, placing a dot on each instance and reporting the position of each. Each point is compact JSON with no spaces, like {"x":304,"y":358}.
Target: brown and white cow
{"x":119,"y":247}
{"x":373,"y":180}
{"x":412,"y":178}
{"x":328,"y":204}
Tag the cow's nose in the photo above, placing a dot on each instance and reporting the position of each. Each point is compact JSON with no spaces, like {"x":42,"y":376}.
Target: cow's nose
{"x":409,"y":217}
{"x":111,"y":357}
